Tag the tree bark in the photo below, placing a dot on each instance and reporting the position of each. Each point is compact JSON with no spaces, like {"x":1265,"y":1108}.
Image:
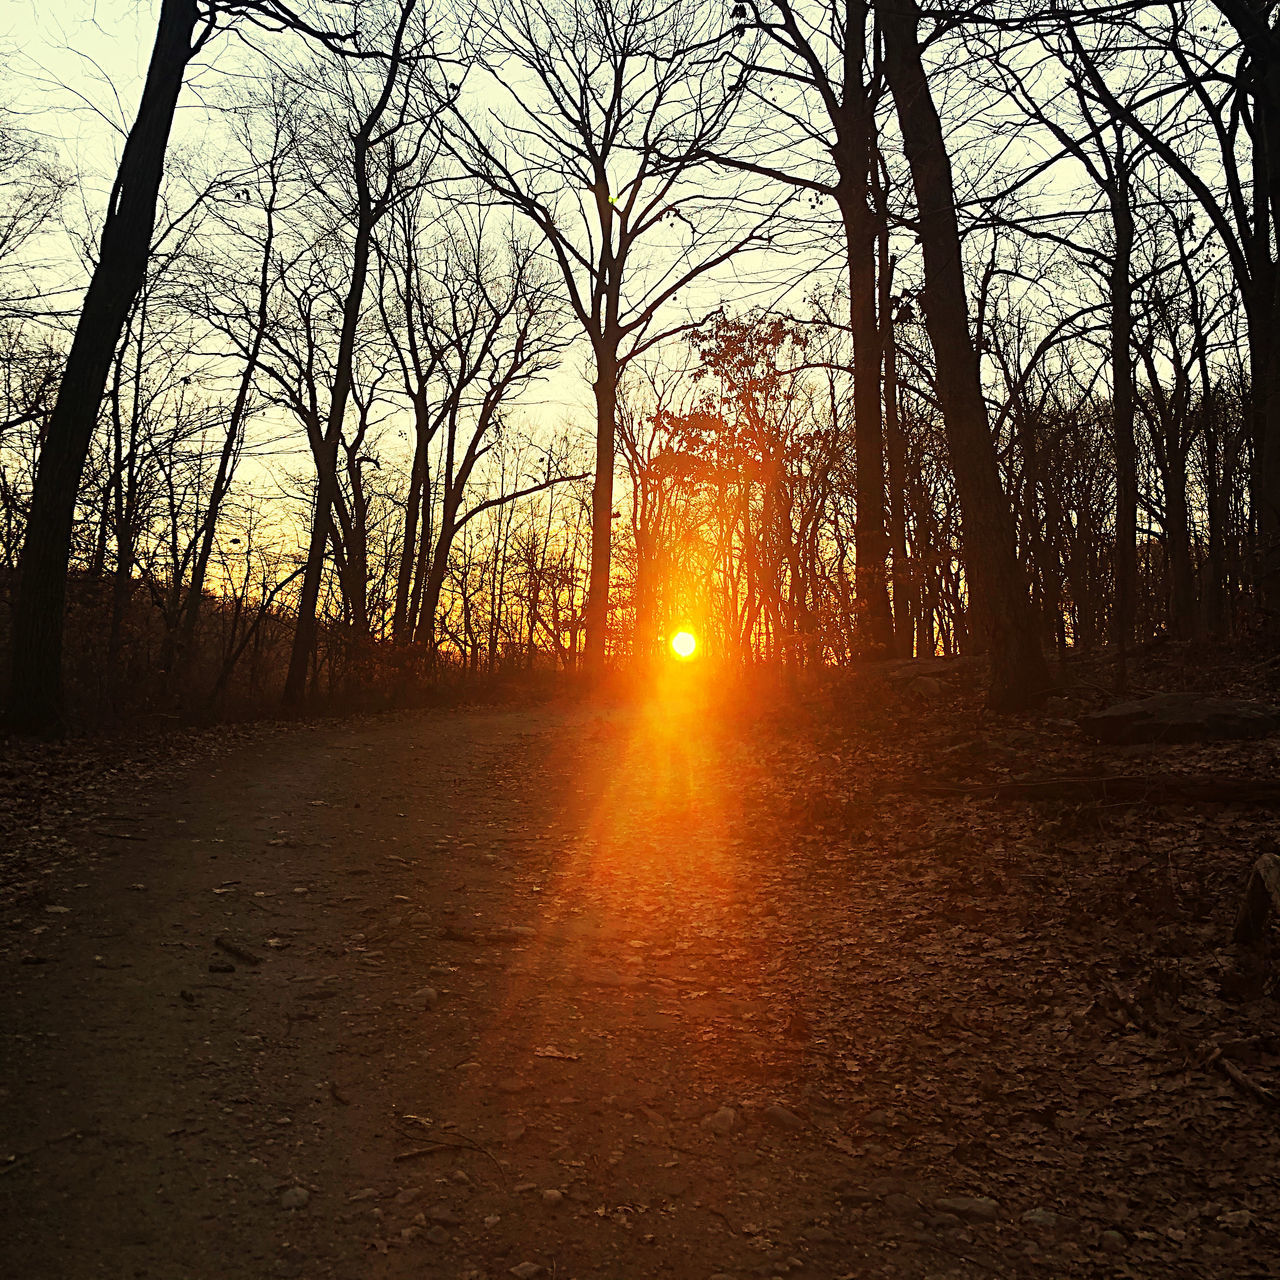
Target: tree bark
{"x":1126,"y":534}
{"x":998,"y":589}
{"x":36,"y":693}
{"x":597,"y":612}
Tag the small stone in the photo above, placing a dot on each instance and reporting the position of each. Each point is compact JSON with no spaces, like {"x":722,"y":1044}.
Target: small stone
{"x":877,"y":1120}
{"x":438,"y":1235}
{"x":1112,"y":1242}
{"x":58,"y":911}
{"x":408,"y":1196}
{"x":721,"y":1275}
{"x":781,"y":1118}
{"x":295,"y":1198}
{"x":972,"y":1208}
{"x":511,"y":1084}
{"x":525,"y":1270}
{"x":722,"y":1121}
{"x":1236,"y":1219}
{"x":365,"y":1193}
{"x":521,"y":1187}
{"x":425,"y":998}
{"x":221,"y":966}
{"x":461,"y":1177}
{"x":443,"y":1214}
{"x":492,"y":1221}
{"x":896,"y":1202}
{"x":818,"y":1234}
{"x":552,"y":1197}
{"x":1041,"y":1218}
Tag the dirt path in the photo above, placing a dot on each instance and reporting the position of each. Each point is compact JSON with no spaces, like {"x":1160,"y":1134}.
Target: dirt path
{"x":557,"y":993}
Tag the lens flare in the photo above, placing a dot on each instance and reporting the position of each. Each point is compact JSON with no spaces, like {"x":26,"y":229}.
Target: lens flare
{"x":683,"y":643}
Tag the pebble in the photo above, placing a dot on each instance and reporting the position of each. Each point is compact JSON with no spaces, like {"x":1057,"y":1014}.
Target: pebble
{"x":722,"y":1121}
{"x":492,"y":1221}
{"x":896,"y":1202}
{"x":1041,"y":1218}
{"x":781,"y":1118}
{"x":438,"y":1235}
{"x":443,"y":1214}
{"x":974,"y":1208}
{"x":425,"y":998}
{"x":512,"y":1084}
{"x":295,"y":1198}
{"x":877,"y":1120}
{"x":1112,"y":1242}
{"x":552,"y":1197}
{"x":818,"y":1234}
{"x":408,"y":1195}
{"x":526,"y":1270}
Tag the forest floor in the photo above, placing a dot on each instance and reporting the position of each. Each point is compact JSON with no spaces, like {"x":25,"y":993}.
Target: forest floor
{"x":675,"y":989}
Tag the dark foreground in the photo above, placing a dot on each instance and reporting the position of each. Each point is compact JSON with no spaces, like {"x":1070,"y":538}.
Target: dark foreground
{"x":656,"y":992}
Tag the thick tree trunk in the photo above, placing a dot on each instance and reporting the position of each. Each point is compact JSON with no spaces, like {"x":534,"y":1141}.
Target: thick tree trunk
{"x":996,"y":581}
{"x":35,"y":698}
{"x":606,"y":392}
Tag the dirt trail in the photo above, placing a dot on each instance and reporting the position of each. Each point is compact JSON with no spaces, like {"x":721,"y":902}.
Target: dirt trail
{"x":491,"y":993}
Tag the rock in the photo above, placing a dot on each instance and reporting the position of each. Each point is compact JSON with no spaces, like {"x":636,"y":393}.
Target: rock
{"x":1041,"y":1218}
{"x":1179,"y":717}
{"x":295,"y":1198}
{"x":444,"y":1215}
{"x":525,"y":1270}
{"x":365,"y":1193}
{"x":896,"y":1202}
{"x":971,"y":1208}
{"x":512,"y":1084}
{"x":425,"y":998}
{"x":408,"y":1196}
{"x":722,"y":1121}
{"x":552,"y":1197}
{"x":877,"y":1120}
{"x":438,"y":1235}
{"x":781,"y":1118}
{"x":611,"y":978}
{"x":492,"y":1221}
{"x":818,"y":1234}
{"x":1112,"y":1242}
{"x":925,"y":688}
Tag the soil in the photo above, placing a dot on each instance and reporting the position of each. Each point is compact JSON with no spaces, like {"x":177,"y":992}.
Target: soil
{"x":664,"y":990}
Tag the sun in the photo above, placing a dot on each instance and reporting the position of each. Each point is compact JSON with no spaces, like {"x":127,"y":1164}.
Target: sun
{"x":683,"y":644}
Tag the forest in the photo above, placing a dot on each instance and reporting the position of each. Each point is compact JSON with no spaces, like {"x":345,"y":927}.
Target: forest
{"x":639,"y":639}
{"x":386,"y":343}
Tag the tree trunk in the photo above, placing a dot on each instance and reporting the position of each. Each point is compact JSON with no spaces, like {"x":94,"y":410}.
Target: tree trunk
{"x":1126,"y":534}
{"x":1019,"y":677}
{"x":597,"y":612}
{"x":853,"y":156}
{"x":36,"y":699}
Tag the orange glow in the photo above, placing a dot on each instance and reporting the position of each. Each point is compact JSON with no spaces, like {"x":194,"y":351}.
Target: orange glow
{"x":683,"y":644}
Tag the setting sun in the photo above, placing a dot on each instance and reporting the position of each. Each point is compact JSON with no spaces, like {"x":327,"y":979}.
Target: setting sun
{"x":683,"y":643}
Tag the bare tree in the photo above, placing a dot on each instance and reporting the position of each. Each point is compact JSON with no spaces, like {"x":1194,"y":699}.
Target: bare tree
{"x":1019,"y":677}
{"x":615,"y":108}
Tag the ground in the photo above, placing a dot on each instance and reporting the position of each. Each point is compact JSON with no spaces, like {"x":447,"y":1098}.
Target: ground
{"x":670,"y":989}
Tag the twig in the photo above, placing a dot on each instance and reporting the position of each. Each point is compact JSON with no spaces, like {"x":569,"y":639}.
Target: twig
{"x":1245,"y":1082}
{"x":235,"y":950}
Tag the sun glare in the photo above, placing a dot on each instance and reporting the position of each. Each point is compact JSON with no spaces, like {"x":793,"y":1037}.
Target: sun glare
{"x":683,"y":643}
